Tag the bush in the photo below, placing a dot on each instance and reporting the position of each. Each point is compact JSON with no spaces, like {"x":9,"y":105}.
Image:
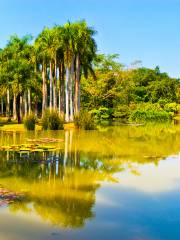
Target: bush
{"x":102,"y":113}
{"x":84,"y":120}
{"x":172,"y":107}
{"x":52,"y":121}
{"x":29,"y":122}
{"x":142,"y":115}
{"x":121,"y":111}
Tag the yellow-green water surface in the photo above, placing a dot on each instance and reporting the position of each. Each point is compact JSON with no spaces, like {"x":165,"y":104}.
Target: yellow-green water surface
{"x":115,"y":183}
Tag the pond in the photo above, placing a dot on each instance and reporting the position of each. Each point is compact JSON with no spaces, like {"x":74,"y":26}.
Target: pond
{"x":116,"y":183}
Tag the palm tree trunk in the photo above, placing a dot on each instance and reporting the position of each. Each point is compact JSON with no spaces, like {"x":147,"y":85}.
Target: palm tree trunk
{"x":36,"y":106}
{"x":2,"y":106}
{"x":44,"y":88}
{"x":59,"y":92}
{"x":21,"y":107}
{"x":29,"y":101}
{"x":51,"y":87}
{"x":14,"y":107}
{"x":62,"y":98}
{"x":67,"y":93}
{"x":25,"y":104}
{"x":18,"y":108}
{"x":70,"y":90}
{"x":77,"y":86}
{"x":59,"y":100}
{"x":55,"y":85}
{"x":8,"y":105}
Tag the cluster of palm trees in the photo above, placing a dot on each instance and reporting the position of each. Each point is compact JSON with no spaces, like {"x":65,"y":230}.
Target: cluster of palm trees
{"x":47,"y":72}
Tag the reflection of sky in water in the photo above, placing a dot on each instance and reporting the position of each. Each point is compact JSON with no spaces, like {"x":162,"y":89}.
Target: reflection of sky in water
{"x":153,"y":179}
{"x":144,"y":204}
{"x":142,"y":207}
{"x":138,"y":207}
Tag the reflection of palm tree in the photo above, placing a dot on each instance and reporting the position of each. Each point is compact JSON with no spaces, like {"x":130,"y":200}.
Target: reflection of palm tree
{"x":62,"y":184}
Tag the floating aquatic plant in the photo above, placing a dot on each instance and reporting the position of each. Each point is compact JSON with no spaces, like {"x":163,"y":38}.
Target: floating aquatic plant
{"x":24,"y":148}
{"x":7,"y":197}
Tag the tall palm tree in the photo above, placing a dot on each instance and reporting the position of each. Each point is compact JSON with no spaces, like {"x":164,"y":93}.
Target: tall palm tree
{"x":85,"y":52}
{"x":60,"y":62}
{"x":19,"y":68}
{"x":68,"y":56}
{"x":41,"y":51}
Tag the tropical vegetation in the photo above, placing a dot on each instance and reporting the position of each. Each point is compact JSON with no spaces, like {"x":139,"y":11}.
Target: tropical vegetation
{"x":61,"y":71}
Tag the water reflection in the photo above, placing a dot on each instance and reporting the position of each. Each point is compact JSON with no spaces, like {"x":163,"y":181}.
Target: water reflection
{"x":61,"y":186}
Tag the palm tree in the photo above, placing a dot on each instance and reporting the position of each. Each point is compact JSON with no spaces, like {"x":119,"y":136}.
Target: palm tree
{"x":61,"y":55}
{"x":68,"y":56}
{"x":85,"y":51}
{"x":41,"y":51}
{"x":47,"y":44}
{"x":19,"y":69}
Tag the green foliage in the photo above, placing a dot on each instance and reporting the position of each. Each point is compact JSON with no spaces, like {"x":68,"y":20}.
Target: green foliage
{"x":121,"y":111}
{"x":141,"y":94}
{"x":147,"y":114}
{"x":52,"y":121}
{"x":172,"y":107}
{"x":84,"y":120}
{"x":30,"y":121}
{"x":102,"y":113}
{"x":111,"y":91}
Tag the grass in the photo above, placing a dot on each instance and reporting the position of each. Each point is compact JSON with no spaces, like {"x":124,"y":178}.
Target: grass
{"x":69,"y":126}
{"x":16,"y":127}
{"x":13,"y":126}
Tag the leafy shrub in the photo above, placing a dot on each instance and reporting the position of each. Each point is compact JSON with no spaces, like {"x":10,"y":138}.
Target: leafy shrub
{"x":29,"y":122}
{"x":142,"y":115}
{"x":9,"y":120}
{"x":52,"y":121}
{"x":121,"y":111}
{"x":172,"y":107}
{"x":84,"y":120}
{"x":162,"y":102}
{"x":102,"y":113}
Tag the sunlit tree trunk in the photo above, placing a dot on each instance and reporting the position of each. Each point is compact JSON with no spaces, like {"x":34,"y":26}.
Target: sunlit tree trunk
{"x":77,"y":86}
{"x":67,"y":93}
{"x":59,"y":89}
{"x":59,"y":100}
{"x":36,"y":106}
{"x":18,"y":108}
{"x":8,"y":104}
{"x":2,"y":106}
{"x":14,"y":107}
{"x":55,"y":86}
{"x":61,"y":75}
{"x":70,"y":90}
{"x":21,"y":108}
{"x":51,"y":87}
{"x":25,"y":104}
{"x":29,"y":101}
{"x":44,"y":89}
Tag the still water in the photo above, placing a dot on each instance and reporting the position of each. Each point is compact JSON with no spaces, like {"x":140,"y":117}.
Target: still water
{"x":116,"y":183}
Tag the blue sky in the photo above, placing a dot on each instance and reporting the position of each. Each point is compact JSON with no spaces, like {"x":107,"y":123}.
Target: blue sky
{"x":146,"y":30}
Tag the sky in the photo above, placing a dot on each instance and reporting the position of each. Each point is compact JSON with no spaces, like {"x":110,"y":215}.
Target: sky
{"x":146,"y":30}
